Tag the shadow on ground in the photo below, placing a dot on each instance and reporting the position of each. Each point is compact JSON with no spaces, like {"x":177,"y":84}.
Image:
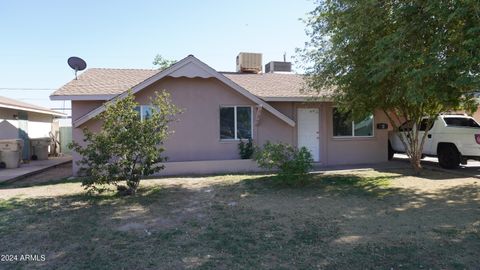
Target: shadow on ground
{"x":330,"y":222}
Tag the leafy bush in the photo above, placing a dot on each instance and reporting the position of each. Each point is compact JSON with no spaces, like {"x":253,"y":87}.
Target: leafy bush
{"x":246,"y":149}
{"x":292,"y":163}
{"x":126,"y":148}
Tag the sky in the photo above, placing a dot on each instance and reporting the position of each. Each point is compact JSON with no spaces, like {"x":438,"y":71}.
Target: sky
{"x":37,"y":37}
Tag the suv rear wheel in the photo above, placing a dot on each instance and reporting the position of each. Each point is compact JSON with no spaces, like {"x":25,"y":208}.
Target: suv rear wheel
{"x":448,"y":156}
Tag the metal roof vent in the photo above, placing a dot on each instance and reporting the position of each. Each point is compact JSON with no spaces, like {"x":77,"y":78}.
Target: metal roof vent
{"x":277,"y":66}
{"x":249,"y":62}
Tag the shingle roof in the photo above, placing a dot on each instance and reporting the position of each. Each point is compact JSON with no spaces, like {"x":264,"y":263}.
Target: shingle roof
{"x":266,"y":85}
{"x":20,"y":105}
{"x":105,"y":81}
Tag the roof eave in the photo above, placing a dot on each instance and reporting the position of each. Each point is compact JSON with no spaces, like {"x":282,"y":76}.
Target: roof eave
{"x":6,"y":106}
{"x":295,"y":99}
{"x":83,"y":97}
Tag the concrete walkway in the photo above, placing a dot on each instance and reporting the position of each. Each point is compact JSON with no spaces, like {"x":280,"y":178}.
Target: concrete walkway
{"x":471,"y":169}
{"x":400,"y":161}
{"x":31,"y":168}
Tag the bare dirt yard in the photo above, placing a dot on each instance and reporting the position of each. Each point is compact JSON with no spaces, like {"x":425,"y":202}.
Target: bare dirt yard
{"x":362,"y":219}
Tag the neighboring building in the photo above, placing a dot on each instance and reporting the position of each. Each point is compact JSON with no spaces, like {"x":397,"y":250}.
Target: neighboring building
{"x":20,"y":120}
{"x":220,"y":107}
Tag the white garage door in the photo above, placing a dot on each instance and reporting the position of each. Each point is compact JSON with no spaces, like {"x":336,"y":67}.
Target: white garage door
{"x":308,"y":131}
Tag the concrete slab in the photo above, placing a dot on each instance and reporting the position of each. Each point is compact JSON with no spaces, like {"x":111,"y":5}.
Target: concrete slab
{"x":33,"y":167}
{"x":471,"y":169}
{"x":388,"y":165}
{"x":400,"y":161}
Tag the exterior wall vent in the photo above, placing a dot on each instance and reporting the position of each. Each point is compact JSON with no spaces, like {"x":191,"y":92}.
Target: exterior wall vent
{"x":276,"y":66}
{"x":249,"y":62}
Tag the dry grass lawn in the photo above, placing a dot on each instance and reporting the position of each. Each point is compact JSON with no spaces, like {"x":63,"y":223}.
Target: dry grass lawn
{"x":342,"y":220}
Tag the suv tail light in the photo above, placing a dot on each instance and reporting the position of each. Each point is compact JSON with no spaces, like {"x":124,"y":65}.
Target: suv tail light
{"x":477,"y":138}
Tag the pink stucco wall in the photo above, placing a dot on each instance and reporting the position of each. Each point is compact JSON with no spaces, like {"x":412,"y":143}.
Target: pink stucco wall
{"x":196,"y":134}
{"x":355,"y":150}
{"x":80,"y":108}
{"x":345,"y":150}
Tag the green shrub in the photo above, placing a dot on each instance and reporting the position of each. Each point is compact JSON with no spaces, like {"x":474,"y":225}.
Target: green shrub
{"x":246,"y":149}
{"x":292,"y":163}
{"x":127,"y":148}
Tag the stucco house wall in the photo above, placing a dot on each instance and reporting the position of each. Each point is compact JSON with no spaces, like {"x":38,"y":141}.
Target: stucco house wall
{"x":200,"y":92}
{"x":80,"y":108}
{"x":355,"y":150}
{"x":340,"y":150}
{"x":196,"y":135}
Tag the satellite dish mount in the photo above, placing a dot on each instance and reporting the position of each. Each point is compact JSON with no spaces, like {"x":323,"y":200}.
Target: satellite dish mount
{"x":77,"y":64}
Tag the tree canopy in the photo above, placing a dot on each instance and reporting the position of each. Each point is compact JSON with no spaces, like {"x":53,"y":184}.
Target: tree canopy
{"x":408,"y":58}
{"x":162,"y":63}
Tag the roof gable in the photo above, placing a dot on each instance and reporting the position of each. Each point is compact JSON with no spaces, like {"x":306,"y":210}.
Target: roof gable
{"x":189,"y":67}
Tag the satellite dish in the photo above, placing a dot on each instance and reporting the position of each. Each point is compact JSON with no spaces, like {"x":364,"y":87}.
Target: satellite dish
{"x":77,"y":64}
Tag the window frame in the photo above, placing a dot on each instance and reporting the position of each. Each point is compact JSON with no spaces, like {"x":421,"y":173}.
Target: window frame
{"x":140,"y":107}
{"x":471,"y":118}
{"x":420,"y":128}
{"x":235,"y":122}
{"x":353,"y":129}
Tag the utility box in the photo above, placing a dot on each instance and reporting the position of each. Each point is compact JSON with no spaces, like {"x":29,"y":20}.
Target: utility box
{"x":277,"y":66}
{"x":249,"y":62}
{"x":11,"y":153}
{"x":40,"y":148}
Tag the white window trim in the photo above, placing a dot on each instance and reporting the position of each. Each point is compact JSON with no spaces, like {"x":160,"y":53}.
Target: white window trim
{"x":142,"y":116}
{"x":353,"y":130}
{"x":235,"y":121}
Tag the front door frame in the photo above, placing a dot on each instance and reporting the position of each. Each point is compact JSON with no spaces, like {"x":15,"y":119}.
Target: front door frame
{"x":317,"y":135}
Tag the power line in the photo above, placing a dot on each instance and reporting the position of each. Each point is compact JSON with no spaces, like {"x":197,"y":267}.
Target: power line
{"x":27,"y":89}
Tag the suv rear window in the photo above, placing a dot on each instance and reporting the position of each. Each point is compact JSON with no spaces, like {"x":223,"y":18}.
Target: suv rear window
{"x":461,"y":122}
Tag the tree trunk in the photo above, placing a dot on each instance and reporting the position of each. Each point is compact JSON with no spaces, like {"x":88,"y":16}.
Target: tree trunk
{"x":415,"y":161}
{"x":133,"y":185}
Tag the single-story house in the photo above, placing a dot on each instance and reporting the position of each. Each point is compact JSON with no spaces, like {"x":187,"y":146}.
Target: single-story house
{"x":219,"y":108}
{"x":21,"y":120}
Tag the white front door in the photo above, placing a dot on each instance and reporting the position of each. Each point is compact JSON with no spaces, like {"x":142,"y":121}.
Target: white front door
{"x":308,"y":131}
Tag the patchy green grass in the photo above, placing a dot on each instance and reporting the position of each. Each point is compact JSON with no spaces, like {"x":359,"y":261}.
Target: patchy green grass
{"x":340,"y":221}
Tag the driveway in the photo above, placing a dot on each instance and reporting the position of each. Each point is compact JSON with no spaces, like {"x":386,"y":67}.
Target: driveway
{"x":472,"y":169}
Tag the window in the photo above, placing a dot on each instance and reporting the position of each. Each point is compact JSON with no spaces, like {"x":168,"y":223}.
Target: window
{"x":343,"y":126}
{"x":425,"y":122}
{"x":145,"y":111}
{"x":408,"y":125}
{"x":235,"y":123}
{"x":461,"y":122}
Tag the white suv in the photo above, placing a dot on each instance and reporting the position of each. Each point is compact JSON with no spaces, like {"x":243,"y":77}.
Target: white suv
{"x":453,"y":139}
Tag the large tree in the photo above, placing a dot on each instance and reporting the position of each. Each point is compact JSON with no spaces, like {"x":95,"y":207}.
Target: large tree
{"x":162,"y":63}
{"x":411,"y":59}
